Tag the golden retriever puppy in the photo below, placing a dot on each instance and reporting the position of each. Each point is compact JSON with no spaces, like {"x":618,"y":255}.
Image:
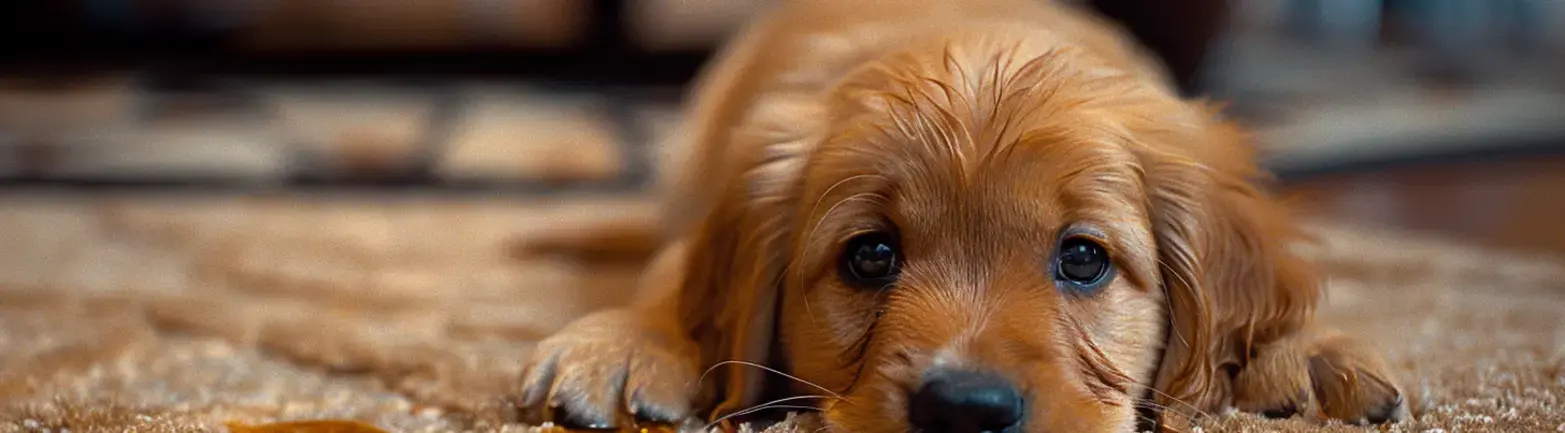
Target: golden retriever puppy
{"x":959,"y":216}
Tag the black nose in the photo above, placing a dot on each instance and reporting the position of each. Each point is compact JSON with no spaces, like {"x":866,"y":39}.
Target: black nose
{"x":965,"y":401}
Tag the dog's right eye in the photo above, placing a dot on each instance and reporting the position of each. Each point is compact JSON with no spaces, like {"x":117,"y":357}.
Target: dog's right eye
{"x":1082,"y":263}
{"x":871,"y":260}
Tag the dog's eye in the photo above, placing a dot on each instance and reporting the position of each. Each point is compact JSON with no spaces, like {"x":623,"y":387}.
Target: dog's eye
{"x":871,"y":260}
{"x":1081,"y":262}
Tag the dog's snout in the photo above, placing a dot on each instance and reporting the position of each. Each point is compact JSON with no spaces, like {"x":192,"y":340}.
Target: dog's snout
{"x":965,"y":401}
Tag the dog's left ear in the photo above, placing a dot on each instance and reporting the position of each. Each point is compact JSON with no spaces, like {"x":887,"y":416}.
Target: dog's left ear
{"x":1230,"y":279}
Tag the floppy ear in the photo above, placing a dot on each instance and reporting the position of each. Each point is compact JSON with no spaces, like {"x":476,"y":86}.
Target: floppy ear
{"x":729,"y":299}
{"x":739,"y":249}
{"x":1229,"y":276}
{"x":730,"y":176}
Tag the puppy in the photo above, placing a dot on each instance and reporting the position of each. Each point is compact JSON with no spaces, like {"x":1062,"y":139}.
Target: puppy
{"x":959,"y":216}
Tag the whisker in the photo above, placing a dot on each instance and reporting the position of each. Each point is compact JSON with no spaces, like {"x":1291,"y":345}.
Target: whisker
{"x":811,"y":238}
{"x":868,"y":196}
{"x":1155,"y":405}
{"x":834,"y":186}
{"x":1198,"y":410}
{"x":1173,"y":324}
{"x":1146,"y":419}
{"x":767,"y":369}
{"x":1170,"y":306}
{"x":1148,"y":404}
{"x":1159,"y":427}
{"x":774,"y":404}
{"x":783,"y":406}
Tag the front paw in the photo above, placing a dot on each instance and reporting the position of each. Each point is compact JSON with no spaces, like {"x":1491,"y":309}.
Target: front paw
{"x":608,"y":370}
{"x":1320,"y":375}
{"x":1352,"y":384}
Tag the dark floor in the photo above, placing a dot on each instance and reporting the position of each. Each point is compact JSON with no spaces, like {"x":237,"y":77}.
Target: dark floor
{"x":1515,"y":203}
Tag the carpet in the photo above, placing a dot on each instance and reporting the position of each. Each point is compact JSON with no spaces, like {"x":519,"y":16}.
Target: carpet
{"x":161,"y":312}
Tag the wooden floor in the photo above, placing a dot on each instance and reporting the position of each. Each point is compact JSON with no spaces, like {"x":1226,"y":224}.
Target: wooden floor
{"x":1514,"y":203}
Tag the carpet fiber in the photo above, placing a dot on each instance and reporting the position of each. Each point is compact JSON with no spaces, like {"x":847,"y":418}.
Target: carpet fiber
{"x":184,"y":313}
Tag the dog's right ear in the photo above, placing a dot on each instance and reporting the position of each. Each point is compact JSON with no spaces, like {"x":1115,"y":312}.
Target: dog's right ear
{"x":730,"y":175}
{"x":733,"y":275}
{"x":729,"y":298}
{"x":743,"y":196}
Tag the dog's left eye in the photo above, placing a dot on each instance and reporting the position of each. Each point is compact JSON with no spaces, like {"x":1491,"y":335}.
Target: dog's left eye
{"x":1081,"y":262}
{"x":871,"y":260}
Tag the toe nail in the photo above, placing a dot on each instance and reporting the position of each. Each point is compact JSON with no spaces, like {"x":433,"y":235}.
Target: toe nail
{"x":1282,"y":412}
{"x":592,"y":424}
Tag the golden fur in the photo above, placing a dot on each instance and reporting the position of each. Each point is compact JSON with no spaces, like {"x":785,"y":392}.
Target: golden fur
{"x":978,"y":131}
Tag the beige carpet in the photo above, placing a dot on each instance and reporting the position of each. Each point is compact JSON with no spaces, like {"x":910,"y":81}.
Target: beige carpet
{"x":187,"y":314}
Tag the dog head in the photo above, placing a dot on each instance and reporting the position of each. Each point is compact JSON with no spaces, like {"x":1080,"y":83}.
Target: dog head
{"x":989,"y":234}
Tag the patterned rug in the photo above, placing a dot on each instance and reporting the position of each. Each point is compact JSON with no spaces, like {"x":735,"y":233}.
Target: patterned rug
{"x":211,"y":312}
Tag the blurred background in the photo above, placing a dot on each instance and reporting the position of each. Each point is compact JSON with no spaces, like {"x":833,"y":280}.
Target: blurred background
{"x":193,"y":190}
{"x":1444,"y":115}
